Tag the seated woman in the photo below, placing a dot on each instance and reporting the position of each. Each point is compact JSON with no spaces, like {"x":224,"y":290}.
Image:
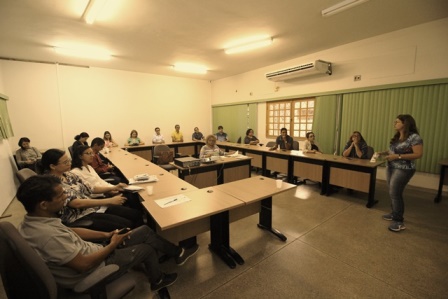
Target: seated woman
{"x":250,"y":138}
{"x":310,"y":144}
{"x":356,"y":146}
{"x":210,"y":148}
{"x":79,"y":206}
{"x":80,"y":139}
{"x":27,"y":156}
{"x":109,"y":142}
{"x":133,"y":139}
{"x":81,"y":167}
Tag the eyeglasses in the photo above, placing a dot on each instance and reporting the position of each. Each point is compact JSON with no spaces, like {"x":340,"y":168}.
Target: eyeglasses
{"x":66,"y":162}
{"x":311,"y":135}
{"x":89,"y":154}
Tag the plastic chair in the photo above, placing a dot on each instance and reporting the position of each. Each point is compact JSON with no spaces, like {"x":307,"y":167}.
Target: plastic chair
{"x":25,"y":274}
{"x":158,"y":150}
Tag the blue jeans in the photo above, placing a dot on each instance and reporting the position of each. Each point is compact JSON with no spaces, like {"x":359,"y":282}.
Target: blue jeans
{"x":397,"y":179}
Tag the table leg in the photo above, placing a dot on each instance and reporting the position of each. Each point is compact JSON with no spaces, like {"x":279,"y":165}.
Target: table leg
{"x":220,"y":244}
{"x":371,"y":201}
{"x":442,"y":179}
{"x":265,"y":221}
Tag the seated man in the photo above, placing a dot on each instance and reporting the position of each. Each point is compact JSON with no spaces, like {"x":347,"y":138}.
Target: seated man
{"x":71,"y":258}
{"x":220,"y":135}
{"x":105,"y":171}
{"x":284,"y":141}
{"x":177,"y":136}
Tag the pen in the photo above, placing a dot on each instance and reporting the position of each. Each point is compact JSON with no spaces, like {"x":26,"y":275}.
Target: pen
{"x":170,"y":201}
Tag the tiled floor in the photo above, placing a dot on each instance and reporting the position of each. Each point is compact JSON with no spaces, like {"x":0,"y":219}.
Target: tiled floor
{"x":336,"y":248}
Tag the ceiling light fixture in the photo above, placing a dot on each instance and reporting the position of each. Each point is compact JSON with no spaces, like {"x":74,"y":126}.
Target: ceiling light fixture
{"x":91,"y":53}
{"x":190,"y":68}
{"x":337,"y":8}
{"x":93,"y":9}
{"x":249,"y":45}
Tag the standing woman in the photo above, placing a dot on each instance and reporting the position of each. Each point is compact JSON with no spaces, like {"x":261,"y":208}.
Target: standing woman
{"x":109,"y":142}
{"x":405,"y":147}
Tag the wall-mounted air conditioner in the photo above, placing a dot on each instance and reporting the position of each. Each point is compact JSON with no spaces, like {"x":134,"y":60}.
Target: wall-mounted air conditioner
{"x":308,"y":69}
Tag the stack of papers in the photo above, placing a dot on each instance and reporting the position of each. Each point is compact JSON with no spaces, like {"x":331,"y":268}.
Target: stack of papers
{"x":172,"y":201}
{"x":151,"y":178}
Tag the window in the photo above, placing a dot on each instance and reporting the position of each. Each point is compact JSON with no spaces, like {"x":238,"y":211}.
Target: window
{"x":294,"y":115}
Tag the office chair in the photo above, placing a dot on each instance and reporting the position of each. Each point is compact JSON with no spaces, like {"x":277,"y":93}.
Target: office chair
{"x":25,"y":274}
{"x":25,"y":173}
{"x":295,"y":145}
{"x":70,"y":150}
{"x":239,"y":140}
{"x":163,"y":156}
{"x":370,"y":152}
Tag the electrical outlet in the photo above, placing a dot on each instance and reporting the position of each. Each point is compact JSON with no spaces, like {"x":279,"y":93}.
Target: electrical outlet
{"x":357,"y":78}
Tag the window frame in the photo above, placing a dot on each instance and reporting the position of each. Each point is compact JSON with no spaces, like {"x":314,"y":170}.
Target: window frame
{"x":298,"y":108}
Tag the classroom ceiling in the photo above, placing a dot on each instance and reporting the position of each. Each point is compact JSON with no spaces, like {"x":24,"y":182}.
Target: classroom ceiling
{"x":151,"y":35}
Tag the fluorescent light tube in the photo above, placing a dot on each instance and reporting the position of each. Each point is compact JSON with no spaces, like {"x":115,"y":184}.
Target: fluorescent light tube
{"x":190,"y":68}
{"x":249,"y":46}
{"x":93,"y":9}
{"x":91,"y":53}
{"x":337,"y":8}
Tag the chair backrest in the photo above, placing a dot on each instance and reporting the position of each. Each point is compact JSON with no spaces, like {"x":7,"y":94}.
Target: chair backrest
{"x":162,"y":154}
{"x":24,"y":273}
{"x":239,"y":140}
{"x":270,"y":144}
{"x":25,"y":173}
{"x":70,"y":150}
{"x":370,"y":152}
{"x":295,"y":145}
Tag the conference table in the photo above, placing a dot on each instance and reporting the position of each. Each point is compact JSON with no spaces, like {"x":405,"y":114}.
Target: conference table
{"x":208,"y":209}
{"x":329,"y":170}
{"x":189,"y":148}
{"x":223,"y":170}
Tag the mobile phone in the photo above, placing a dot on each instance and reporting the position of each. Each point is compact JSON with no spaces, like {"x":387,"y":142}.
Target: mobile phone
{"x":123,"y":231}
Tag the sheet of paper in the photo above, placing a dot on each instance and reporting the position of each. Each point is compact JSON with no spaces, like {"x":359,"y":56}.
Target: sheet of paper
{"x":133,"y":188}
{"x":172,"y":200}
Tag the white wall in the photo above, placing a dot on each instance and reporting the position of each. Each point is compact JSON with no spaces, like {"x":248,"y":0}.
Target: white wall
{"x":412,"y":54}
{"x":8,"y":167}
{"x":51,"y":104}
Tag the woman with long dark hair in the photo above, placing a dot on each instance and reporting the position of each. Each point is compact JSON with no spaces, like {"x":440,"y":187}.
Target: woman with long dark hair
{"x":80,"y":205}
{"x":356,"y":146}
{"x":405,"y":147}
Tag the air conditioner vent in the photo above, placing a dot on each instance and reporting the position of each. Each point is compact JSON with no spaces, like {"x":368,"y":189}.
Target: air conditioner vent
{"x":308,"y":69}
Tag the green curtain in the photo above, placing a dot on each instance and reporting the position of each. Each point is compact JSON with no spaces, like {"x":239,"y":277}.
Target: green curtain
{"x":373,"y":112}
{"x":236,"y":119}
{"x":5,"y":123}
{"x":324,"y":122}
